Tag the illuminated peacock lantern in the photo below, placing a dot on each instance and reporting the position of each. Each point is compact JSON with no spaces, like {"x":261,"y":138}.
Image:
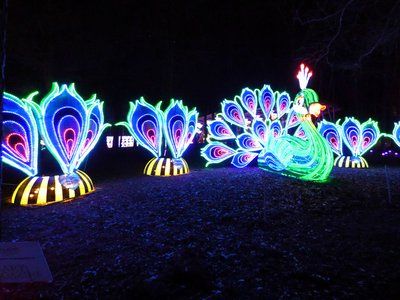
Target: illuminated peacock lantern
{"x":69,"y":128}
{"x":153,"y":129}
{"x":280,"y":133}
{"x":357,"y":137}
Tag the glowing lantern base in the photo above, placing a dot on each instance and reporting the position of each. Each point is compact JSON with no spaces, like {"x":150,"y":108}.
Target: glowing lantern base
{"x":48,"y":189}
{"x":162,"y":166}
{"x":350,"y":162}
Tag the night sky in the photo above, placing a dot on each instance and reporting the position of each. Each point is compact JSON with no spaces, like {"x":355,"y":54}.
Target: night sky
{"x":206,"y":51}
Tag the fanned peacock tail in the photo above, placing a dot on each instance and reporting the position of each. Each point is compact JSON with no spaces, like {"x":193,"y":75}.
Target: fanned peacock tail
{"x":247,"y":123}
{"x":268,"y":125}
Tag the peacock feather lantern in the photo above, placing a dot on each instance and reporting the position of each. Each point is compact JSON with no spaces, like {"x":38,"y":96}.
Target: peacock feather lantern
{"x":155,"y":129}
{"x":357,"y":137}
{"x":69,"y":127}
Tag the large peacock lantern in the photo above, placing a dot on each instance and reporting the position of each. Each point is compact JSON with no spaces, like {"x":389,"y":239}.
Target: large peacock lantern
{"x":69,"y":128}
{"x":280,"y":132}
{"x":358,"y":138}
{"x":154,"y":129}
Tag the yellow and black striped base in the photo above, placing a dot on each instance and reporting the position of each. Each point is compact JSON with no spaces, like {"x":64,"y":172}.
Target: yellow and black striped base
{"x":48,"y":189}
{"x":348,"y":162}
{"x":165,"y":167}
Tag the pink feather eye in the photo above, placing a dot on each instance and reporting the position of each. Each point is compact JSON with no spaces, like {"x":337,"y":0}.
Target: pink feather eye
{"x":334,"y":141}
{"x":151,"y":136}
{"x":178,"y":134}
{"x":233,"y":113}
{"x":69,"y":141}
{"x":18,"y":144}
{"x":236,"y":115}
{"x":366,"y":142}
{"x":354,"y":140}
{"x":89,"y":138}
{"x":219,"y":152}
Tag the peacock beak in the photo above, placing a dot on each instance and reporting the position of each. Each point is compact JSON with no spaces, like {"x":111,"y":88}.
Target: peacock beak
{"x":316,"y":108}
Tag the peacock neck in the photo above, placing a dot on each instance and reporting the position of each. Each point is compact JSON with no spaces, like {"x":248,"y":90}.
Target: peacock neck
{"x":319,"y":150}
{"x":309,"y":127}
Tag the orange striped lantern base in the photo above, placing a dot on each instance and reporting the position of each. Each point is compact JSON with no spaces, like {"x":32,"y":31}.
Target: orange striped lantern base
{"x":48,"y":189}
{"x":350,"y":162}
{"x":162,"y":166}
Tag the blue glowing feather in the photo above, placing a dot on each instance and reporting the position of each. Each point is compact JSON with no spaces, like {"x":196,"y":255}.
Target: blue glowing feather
{"x":216,"y":152}
{"x":332,"y":133}
{"x":233,"y":113}
{"x":248,"y":142}
{"x":176,"y":122}
{"x":191,"y":129}
{"x":282,"y":103}
{"x":266,"y":100}
{"x":248,"y":99}
{"x":20,"y":135}
{"x":220,"y":130}
{"x":242,"y":158}
{"x":63,"y":118}
{"x":96,"y":128}
{"x":260,"y":130}
{"x":145,"y":124}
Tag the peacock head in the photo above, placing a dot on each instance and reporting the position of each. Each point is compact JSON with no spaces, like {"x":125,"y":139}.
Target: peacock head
{"x":306,"y":102}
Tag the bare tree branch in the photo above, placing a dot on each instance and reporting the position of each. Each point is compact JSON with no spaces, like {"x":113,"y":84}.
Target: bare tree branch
{"x":384,"y":34}
{"x":347,"y":33}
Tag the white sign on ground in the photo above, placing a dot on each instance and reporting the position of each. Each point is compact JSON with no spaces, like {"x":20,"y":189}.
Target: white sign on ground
{"x":23,"y":262}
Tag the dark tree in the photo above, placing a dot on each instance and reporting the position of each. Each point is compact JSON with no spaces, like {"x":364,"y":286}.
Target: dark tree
{"x":355,"y":44}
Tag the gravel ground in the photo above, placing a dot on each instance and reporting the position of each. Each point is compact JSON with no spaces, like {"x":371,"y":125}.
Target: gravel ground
{"x":219,"y":233}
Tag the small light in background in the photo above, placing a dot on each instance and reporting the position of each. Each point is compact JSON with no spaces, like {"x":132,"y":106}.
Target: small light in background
{"x":110,"y":141}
